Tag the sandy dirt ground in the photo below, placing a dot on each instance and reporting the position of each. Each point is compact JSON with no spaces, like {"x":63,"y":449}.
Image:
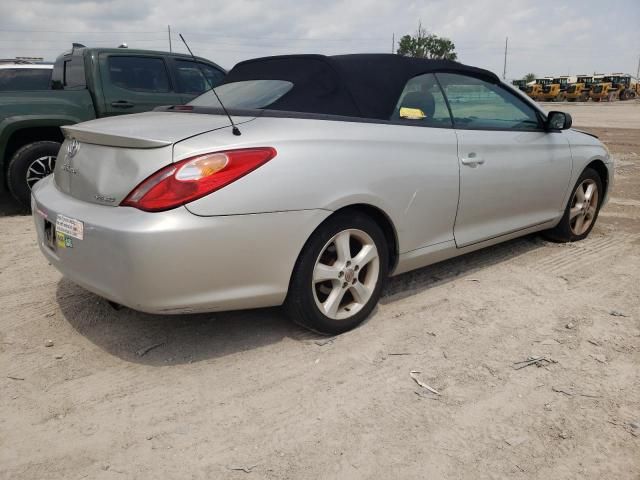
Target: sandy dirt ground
{"x":247,"y":395}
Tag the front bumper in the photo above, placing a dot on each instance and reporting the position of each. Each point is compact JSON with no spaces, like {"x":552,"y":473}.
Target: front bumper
{"x":174,"y":261}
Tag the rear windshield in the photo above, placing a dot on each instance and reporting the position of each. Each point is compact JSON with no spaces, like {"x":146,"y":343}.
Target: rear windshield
{"x":25,"y":79}
{"x":248,"y":94}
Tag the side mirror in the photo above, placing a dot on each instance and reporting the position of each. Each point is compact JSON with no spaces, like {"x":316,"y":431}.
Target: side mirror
{"x":558,"y":121}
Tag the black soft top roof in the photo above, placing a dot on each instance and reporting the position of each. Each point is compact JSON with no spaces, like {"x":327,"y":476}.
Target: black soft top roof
{"x":359,"y":85}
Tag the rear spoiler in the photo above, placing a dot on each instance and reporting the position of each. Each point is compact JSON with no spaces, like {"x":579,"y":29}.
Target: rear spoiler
{"x":88,"y":135}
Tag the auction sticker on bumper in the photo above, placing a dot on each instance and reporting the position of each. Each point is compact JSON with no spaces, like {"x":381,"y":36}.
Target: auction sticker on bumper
{"x":63,"y":241}
{"x":70,"y":226}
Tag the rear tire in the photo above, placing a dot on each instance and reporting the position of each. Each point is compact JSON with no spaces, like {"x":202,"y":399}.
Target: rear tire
{"x":582,"y":210}
{"x":28,"y":165}
{"x":338,"y":277}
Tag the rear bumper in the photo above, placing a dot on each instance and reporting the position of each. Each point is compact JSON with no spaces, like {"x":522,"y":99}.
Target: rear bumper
{"x":176,"y":262}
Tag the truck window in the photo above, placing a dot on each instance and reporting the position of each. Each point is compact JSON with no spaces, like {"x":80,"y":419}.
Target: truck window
{"x":74,"y":72}
{"x":142,"y":74}
{"x":12,"y":79}
{"x":190,"y":78}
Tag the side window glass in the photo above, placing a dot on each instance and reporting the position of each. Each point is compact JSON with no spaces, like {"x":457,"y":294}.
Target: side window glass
{"x":422,"y":103}
{"x":481,"y":105}
{"x":142,"y":74}
{"x":24,"y":79}
{"x":190,"y":76}
{"x":74,"y":73}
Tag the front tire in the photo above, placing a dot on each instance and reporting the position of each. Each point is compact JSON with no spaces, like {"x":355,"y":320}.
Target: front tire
{"x":338,"y":277}
{"x":581,"y":212}
{"x":28,"y":165}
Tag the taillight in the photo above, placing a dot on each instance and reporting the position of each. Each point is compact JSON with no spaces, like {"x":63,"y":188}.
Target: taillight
{"x":195,"y":177}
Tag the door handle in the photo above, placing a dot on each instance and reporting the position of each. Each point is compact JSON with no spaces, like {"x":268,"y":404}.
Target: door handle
{"x":472,"y":160}
{"x":122,"y":104}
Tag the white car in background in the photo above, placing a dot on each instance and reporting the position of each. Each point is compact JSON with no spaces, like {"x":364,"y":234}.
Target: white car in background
{"x":17,"y":76}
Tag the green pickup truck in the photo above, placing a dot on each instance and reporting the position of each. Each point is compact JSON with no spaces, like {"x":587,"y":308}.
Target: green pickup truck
{"x":88,"y":83}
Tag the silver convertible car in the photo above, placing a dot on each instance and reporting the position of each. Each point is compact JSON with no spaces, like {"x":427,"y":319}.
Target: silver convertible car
{"x":338,"y":172}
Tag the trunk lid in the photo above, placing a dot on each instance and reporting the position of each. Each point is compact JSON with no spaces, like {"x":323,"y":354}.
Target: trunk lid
{"x":101,"y":161}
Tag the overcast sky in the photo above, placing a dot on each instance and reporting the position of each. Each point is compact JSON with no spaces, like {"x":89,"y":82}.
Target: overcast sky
{"x":545,"y":37}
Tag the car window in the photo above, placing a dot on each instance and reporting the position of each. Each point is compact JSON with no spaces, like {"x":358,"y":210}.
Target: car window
{"x":142,"y":74}
{"x":245,"y":94}
{"x":190,"y":79}
{"x":422,"y":103}
{"x":25,"y":79}
{"x":482,"y":105}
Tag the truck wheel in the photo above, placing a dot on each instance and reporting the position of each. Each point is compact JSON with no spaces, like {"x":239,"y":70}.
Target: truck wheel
{"x":29,"y":164}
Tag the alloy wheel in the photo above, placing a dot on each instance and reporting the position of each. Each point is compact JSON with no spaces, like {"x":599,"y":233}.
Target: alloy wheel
{"x":584,"y":206}
{"x":345,"y":274}
{"x":39,"y":169}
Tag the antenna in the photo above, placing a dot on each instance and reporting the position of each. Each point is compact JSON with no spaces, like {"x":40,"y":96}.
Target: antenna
{"x":504,"y":70}
{"x":234,"y":128}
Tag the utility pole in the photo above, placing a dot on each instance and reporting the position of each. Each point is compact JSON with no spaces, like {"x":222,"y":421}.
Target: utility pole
{"x":169,"y":31}
{"x":504,"y":71}
{"x":638,"y":72}
{"x":393,"y":42}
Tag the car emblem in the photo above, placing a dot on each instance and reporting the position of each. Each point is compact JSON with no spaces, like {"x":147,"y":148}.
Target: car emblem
{"x":73,"y":148}
{"x":104,"y":198}
{"x":68,"y":168}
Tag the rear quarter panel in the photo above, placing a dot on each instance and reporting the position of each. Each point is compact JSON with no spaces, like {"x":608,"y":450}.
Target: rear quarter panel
{"x":408,"y":172}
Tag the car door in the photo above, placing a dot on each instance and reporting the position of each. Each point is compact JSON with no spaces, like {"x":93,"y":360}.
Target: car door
{"x":190,"y":81}
{"x":513,"y":173}
{"x":424,"y":159}
{"x":133,"y":83}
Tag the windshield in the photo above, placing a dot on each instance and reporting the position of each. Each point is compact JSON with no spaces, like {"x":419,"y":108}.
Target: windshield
{"x":247,"y":94}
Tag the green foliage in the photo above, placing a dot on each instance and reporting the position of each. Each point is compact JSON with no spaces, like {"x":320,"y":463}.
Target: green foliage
{"x":423,"y":45}
{"x":529,"y":77}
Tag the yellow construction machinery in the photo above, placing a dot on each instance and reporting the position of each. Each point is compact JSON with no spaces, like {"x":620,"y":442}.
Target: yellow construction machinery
{"x":615,"y":86}
{"x":535,"y":90}
{"x":555,"y":91}
{"x":627,"y":86}
{"x":520,"y":84}
{"x":579,"y":90}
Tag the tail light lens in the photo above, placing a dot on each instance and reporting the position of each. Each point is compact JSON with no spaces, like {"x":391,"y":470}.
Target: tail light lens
{"x":195,"y":177}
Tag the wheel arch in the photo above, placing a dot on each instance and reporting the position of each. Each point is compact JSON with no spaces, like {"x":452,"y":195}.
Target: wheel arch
{"x":16,"y":132}
{"x":25,"y":136}
{"x":603,"y":172}
{"x":384,"y":222}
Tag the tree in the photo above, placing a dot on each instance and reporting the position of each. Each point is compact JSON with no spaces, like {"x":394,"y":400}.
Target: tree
{"x":423,"y":45}
{"x":529,"y":77}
